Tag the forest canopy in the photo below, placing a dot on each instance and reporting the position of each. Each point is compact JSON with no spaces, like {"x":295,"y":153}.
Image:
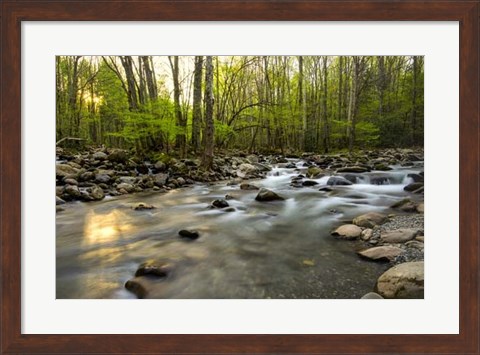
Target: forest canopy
{"x":196,"y":104}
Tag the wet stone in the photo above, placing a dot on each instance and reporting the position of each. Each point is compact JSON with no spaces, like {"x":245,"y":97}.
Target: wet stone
{"x":189,"y":234}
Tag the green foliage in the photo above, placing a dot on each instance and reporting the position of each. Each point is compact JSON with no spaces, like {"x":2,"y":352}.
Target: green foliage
{"x":257,"y":103}
{"x":367,"y":134}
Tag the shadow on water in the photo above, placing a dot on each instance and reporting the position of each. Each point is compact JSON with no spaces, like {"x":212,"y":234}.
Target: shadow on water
{"x":261,"y":250}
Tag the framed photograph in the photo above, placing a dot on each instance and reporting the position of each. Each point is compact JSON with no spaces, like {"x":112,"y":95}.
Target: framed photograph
{"x":239,"y":177}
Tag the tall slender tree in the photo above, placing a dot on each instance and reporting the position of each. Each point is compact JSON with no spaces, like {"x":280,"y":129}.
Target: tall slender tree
{"x":209,"y":130}
{"x":197,"y":103}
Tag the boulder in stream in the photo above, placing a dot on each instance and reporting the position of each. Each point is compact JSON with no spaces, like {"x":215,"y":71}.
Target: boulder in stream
{"x":59,"y":201}
{"x":153,"y":268}
{"x":402,"y":281}
{"x":405,"y":205}
{"x":338,"y":180}
{"x":65,"y":170}
{"x":247,"y":186}
{"x":309,"y":183}
{"x":314,"y":172}
{"x":370,"y":219}
{"x":401,"y":235}
{"x":189,"y":234}
{"x":96,"y":193}
{"x":220,"y":203}
{"x":382,"y":253}
{"x":143,"y":206}
{"x":265,"y":195}
{"x":348,"y":231}
{"x":99,"y":155}
{"x":353,"y":169}
{"x":414,"y":186}
{"x":126,"y":187}
{"x":138,"y":286}
{"x":160,"y":179}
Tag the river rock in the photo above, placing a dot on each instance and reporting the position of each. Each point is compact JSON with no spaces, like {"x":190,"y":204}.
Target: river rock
{"x":309,"y":183}
{"x":153,"y":268}
{"x":87,"y":176}
{"x":416,"y":177}
{"x":402,"y":281}
{"x":245,"y":170}
{"x":326,"y":189}
{"x":385,"y":252}
{"x":401,"y":235}
{"x":138,"y":286}
{"x":71,"y":182}
{"x":160,"y":179}
{"x":348,"y":231}
{"x":382,"y":167}
{"x":220,"y":203}
{"x":127,"y":179}
{"x":65,"y":170}
{"x":413,"y":186}
{"x":189,"y":234}
{"x":99,"y":156}
{"x":102,"y":178}
{"x":367,"y":234}
{"x":338,"y":180}
{"x":160,"y":166}
{"x":59,"y":201}
{"x":415,"y":244}
{"x":247,"y":186}
{"x":353,"y":169}
{"x":405,"y":205}
{"x":314,"y":172}
{"x":372,"y":296}
{"x":421,"y":208}
{"x":181,"y":181}
{"x":262,"y":167}
{"x":118,"y":156}
{"x":265,"y":195}
{"x":96,"y":193}
{"x":370,"y":219}
{"x":252,"y":158}
{"x":72,"y":191}
{"x":126,"y":187}
{"x":143,"y":206}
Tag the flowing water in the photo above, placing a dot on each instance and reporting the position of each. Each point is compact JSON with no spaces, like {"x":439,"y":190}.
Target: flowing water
{"x":280,"y":249}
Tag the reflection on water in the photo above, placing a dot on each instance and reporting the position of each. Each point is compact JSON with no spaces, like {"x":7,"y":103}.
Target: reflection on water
{"x":105,"y":227}
{"x":281,"y":249}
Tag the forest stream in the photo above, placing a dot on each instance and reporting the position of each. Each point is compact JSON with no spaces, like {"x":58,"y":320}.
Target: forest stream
{"x":278,"y":249}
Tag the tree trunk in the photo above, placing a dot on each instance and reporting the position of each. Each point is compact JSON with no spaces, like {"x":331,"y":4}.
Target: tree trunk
{"x":197,"y":103}
{"x":180,"y":121}
{"x":142,"y":89}
{"x":127,"y":64}
{"x":303,"y":105}
{"x":208,"y":133}
{"x":413,"y":117}
{"x":352,"y":104}
{"x":326,"y":125}
{"x":150,"y":77}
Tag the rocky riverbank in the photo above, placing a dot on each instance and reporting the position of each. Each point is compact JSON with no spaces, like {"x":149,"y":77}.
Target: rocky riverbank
{"x":95,"y":173}
{"x":394,"y":239}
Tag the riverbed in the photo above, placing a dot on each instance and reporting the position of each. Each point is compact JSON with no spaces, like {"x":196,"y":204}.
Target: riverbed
{"x":279,"y":249}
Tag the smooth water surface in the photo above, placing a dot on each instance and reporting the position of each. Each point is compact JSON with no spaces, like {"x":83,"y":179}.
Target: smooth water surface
{"x":279,"y":249}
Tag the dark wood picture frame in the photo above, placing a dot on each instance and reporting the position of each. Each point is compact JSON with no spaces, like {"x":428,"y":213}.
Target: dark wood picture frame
{"x":14,"y":12}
